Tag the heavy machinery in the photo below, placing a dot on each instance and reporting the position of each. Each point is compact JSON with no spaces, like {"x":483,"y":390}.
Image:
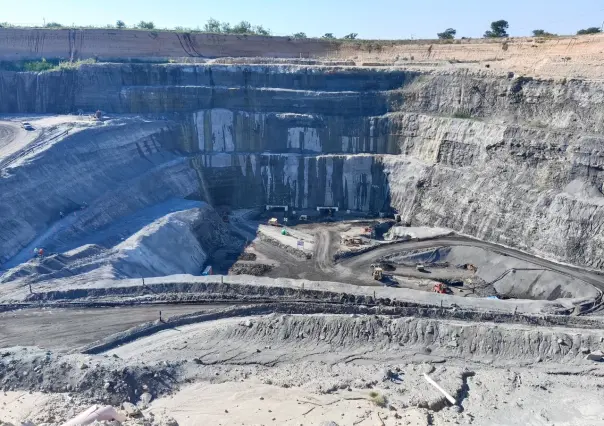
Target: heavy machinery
{"x":378,"y":273}
{"x":441,"y":288}
{"x":273,"y":221}
{"x":353,"y":241}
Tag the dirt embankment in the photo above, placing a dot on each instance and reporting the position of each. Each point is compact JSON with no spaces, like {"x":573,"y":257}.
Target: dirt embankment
{"x":104,"y":44}
{"x":553,"y":57}
{"x":556,"y":57}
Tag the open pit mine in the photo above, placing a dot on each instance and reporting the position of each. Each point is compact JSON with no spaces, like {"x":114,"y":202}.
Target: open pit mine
{"x":224,"y":232}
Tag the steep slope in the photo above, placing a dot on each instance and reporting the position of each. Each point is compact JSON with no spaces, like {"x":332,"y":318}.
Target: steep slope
{"x":508,"y":159}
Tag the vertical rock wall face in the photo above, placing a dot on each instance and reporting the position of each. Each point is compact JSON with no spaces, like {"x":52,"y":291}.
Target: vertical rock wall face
{"x":255,"y":180}
{"x":168,"y":88}
{"x":221,"y":130}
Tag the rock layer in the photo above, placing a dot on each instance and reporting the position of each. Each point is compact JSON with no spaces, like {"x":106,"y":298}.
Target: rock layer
{"x":511,"y":160}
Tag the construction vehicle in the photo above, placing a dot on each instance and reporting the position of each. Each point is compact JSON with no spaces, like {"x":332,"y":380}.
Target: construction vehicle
{"x":378,"y":273}
{"x":468,"y":267}
{"x":441,"y":288}
{"x":420,"y":268}
{"x":303,"y":217}
{"x":273,"y":221}
{"x":353,"y":241}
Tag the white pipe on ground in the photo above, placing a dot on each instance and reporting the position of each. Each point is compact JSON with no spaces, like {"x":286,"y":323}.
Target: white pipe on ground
{"x":444,"y":392}
{"x":96,"y":413}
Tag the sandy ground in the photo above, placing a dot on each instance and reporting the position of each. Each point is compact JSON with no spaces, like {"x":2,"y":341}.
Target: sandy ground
{"x":18,"y":144}
{"x":557,"y":57}
{"x":301,"y":369}
{"x":14,"y":138}
{"x":292,"y":237}
{"x":234,"y":403}
{"x":310,"y":381}
{"x":21,"y":406}
{"x":256,"y":403}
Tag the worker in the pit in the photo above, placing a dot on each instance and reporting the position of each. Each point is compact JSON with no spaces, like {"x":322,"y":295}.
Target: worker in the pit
{"x":41,"y":252}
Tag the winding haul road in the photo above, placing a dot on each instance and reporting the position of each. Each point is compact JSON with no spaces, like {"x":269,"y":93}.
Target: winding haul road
{"x":63,"y":329}
{"x":356,"y":269}
{"x":359,"y":263}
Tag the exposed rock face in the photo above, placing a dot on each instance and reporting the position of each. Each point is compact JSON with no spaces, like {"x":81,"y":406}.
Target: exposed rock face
{"x":521,"y":166}
{"x":533,"y":188}
{"x":114,"y":170}
{"x":250,"y":180}
{"x":182,"y":240}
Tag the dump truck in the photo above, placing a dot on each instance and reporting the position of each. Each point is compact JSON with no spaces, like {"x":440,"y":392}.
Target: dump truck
{"x":378,"y":273}
{"x":441,"y":288}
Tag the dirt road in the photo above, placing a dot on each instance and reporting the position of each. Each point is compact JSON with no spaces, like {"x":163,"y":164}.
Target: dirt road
{"x":65,"y":329}
{"x":324,"y":242}
{"x":357,"y":270}
{"x":359,"y":263}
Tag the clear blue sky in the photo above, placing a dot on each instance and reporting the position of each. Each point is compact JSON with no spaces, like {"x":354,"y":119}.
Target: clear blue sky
{"x":385,"y":19}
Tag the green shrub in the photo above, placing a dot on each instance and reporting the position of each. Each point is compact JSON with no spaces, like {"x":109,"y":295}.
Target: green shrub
{"x":378,"y":399}
{"x":543,"y":33}
{"x":498,"y":29}
{"x":68,"y":65}
{"x":590,"y":30}
{"x":43,"y":65}
{"x":146,"y":25}
{"x":448,"y":34}
{"x":461,"y":113}
{"x":39,"y":66}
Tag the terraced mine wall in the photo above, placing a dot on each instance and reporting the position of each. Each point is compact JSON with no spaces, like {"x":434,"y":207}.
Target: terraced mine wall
{"x":508,"y":159}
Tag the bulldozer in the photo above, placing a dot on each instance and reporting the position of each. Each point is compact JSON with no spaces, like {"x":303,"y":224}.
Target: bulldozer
{"x":378,"y":273}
